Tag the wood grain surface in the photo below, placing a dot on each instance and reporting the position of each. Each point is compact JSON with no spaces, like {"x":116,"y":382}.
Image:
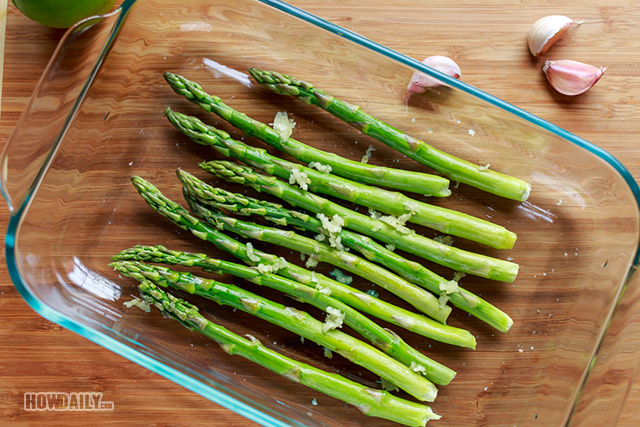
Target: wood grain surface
{"x":36,"y":355}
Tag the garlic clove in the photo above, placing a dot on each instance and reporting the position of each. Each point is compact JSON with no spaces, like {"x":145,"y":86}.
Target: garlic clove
{"x":420,"y":81}
{"x":571,"y":77}
{"x":546,"y":31}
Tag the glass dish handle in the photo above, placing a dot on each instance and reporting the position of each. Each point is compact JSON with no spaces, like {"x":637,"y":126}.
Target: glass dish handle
{"x":52,"y":106}
{"x":601,"y":399}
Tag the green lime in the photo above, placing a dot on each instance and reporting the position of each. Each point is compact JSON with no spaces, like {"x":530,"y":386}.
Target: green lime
{"x":62,"y":13}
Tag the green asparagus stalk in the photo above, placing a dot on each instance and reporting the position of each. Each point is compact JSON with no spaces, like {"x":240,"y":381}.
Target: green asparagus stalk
{"x":457,"y":259}
{"x":452,"y":167}
{"x":393,"y":203}
{"x":372,"y":402}
{"x":418,"y":297}
{"x":414,"y":272}
{"x":416,"y":182}
{"x":383,"y":339}
{"x":291,"y":319}
{"x":359,"y":300}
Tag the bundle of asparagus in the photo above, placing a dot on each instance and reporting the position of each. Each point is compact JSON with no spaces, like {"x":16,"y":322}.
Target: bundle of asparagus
{"x":372,"y":402}
{"x":218,"y":198}
{"x":289,"y":318}
{"x":456,"y":169}
{"x":393,"y":203}
{"x":360,"y":300}
{"x":337,"y":230}
{"x":419,"y":298}
{"x":429,"y":249}
{"x":382,"y":338}
{"x":398,"y":179}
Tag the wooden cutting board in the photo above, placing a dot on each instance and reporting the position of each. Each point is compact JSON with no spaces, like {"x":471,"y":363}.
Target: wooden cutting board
{"x":36,"y":355}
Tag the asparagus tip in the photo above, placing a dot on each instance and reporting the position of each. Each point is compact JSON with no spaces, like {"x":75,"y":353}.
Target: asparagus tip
{"x":171,"y":78}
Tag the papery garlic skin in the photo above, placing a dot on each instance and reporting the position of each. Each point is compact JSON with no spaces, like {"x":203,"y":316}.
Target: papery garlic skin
{"x":571,"y":77}
{"x":420,"y":81}
{"x":546,"y":31}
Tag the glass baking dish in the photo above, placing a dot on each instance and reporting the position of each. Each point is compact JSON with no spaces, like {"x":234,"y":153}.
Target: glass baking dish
{"x":96,"y":119}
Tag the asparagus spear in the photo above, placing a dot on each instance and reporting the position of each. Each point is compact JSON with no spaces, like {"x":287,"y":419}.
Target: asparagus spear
{"x":452,"y":167}
{"x":417,"y":182}
{"x":384,"y":339}
{"x":457,"y":259}
{"x":421,"y":299}
{"x":289,"y":318}
{"x":394,"y":203}
{"x":360,"y":300}
{"x":372,"y":402}
{"x":410,"y":270}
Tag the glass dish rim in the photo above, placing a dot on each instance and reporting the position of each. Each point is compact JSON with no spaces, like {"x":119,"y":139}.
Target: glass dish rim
{"x":185,"y":380}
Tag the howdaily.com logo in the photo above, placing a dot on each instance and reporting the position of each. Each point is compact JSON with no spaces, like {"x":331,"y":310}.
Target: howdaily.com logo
{"x":57,"y":401}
